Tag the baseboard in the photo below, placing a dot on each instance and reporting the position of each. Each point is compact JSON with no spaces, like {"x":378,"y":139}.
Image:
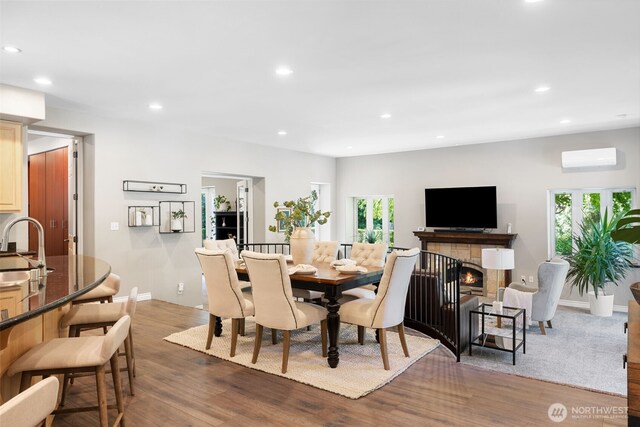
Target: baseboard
{"x":141,"y":297}
{"x":585,"y":304}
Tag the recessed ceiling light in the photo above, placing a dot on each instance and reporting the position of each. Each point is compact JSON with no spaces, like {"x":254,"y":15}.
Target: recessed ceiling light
{"x":11,"y":49}
{"x":282,"y":132}
{"x":385,"y":116}
{"x":43,"y":81}
{"x":284,"y":71}
{"x":541,"y":89}
{"x":565,"y":121}
{"x":440,"y":136}
{"x":155,"y":106}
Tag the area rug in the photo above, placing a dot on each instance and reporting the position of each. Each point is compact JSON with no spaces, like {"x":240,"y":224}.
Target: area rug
{"x":359,"y":372}
{"x":580,"y":350}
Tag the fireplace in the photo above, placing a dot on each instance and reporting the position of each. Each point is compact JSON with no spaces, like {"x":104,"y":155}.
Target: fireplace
{"x":472,"y":278}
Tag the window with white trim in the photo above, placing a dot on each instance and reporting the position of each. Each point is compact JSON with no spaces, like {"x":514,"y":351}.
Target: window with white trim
{"x":374,"y":219}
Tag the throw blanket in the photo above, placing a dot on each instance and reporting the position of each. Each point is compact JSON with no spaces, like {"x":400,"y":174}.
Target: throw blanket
{"x":514,"y":298}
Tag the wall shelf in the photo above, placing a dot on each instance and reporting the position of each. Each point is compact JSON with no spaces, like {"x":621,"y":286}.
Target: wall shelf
{"x":183,"y":225}
{"x":154,"y":187}
{"x":143,"y":216}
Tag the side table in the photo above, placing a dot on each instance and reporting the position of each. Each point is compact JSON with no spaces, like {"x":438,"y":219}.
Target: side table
{"x":505,"y":338}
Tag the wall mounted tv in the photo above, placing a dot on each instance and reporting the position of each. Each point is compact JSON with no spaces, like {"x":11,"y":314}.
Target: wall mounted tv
{"x":461,"y":207}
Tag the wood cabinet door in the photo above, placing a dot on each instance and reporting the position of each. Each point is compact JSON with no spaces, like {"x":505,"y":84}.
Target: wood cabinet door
{"x":10,"y":166}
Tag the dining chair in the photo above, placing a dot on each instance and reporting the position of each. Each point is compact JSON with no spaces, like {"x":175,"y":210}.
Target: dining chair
{"x":79,"y":355}
{"x":102,"y":293}
{"x":387,"y":309}
{"x":221,"y":245}
{"x":85,"y":317}
{"x":32,"y":406}
{"x":323,"y":252}
{"x":275,"y":306}
{"x":225,"y":297}
{"x":366,"y":255}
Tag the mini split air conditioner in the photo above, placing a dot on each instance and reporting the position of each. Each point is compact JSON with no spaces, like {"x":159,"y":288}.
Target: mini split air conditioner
{"x":586,"y":158}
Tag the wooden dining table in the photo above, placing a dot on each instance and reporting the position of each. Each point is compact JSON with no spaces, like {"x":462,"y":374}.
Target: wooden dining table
{"x":330,"y":281}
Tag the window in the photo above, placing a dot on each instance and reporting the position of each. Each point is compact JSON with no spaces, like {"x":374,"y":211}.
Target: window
{"x":207,"y":195}
{"x":569,"y":208}
{"x":322,"y":232}
{"x":374,"y":219}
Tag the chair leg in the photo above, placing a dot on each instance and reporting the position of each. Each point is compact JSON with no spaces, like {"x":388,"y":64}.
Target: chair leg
{"x":127,"y":355}
{"x":361,"y":335}
{"x":212,"y":326}
{"x":323,"y":336}
{"x":234,"y":336}
{"x":549,"y":324}
{"x":117,"y":386}
{"x":541,"y":325}
{"x":258,"y":341}
{"x":133,"y":351}
{"x":25,"y":381}
{"x":65,"y":386}
{"x":383,"y":348}
{"x":403,"y":340}
{"x":274,"y":336}
{"x":102,"y":396}
{"x":285,"y":350}
{"x":242,"y":325}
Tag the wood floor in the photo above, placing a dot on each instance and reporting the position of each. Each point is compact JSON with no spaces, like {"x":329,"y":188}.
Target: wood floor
{"x":176,"y":386}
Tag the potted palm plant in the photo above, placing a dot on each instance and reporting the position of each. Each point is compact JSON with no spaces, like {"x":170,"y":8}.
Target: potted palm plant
{"x":296,"y":221}
{"x":598,"y":260}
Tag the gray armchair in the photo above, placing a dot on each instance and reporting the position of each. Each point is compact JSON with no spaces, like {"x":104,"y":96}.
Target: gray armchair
{"x":551,"y":278}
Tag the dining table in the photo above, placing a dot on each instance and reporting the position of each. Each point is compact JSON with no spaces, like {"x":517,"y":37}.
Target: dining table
{"x":332,"y":282}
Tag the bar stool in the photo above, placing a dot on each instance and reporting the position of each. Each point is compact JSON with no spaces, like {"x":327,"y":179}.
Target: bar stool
{"x":82,"y":354}
{"x":104,"y":292}
{"x":92,"y":316}
{"x":32,"y":406}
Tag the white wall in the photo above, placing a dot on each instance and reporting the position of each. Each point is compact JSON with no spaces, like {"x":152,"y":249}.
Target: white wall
{"x":118,"y":150}
{"x":523,"y":171}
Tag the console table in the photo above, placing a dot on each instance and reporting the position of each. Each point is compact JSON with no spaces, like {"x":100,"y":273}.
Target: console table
{"x":489,"y":239}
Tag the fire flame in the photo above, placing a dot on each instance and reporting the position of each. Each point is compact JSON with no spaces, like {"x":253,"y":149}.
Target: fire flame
{"x":469,"y":278}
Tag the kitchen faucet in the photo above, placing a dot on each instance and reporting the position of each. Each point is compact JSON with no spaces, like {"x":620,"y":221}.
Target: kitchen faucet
{"x":4,"y":245}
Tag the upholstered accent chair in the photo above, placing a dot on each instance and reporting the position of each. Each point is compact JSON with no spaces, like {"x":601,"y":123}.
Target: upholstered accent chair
{"x":104,"y":292}
{"x":324,"y":251}
{"x":91,"y":316}
{"x":275,"y":306}
{"x":32,"y":406}
{"x":78,"y":355}
{"x":551,"y":278}
{"x":221,"y":245}
{"x":366,"y":255}
{"x":225,"y":297}
{"x":387,"y":309}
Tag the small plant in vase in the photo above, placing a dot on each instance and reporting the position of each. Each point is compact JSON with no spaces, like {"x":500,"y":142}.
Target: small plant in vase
{"x":221,"y":203}
{"x":176,"y":223}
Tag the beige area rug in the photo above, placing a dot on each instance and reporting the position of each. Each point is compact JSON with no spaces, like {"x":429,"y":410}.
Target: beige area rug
{"x":360,"y":370}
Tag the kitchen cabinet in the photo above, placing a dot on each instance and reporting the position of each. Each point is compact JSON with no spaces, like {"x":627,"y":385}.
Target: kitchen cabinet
{"x":11,"y":158}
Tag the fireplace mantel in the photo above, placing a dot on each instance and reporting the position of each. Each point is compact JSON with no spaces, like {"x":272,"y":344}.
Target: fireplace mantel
{"x":493,"y":239}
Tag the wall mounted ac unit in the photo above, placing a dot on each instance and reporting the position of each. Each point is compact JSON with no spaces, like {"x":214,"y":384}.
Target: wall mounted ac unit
{"x":586,"y":158}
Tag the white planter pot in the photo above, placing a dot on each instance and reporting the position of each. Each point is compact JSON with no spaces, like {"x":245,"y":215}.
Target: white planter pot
{"x":148,"y":220}
{"x":302,"y":244}
{"x":176,"y":225}
{"x":601,"y":306}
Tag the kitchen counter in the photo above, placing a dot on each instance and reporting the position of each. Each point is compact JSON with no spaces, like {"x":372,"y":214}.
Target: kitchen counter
{"x":72,"y":276}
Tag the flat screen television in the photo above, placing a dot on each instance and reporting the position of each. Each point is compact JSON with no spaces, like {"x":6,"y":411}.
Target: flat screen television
{"x":461,"y":207}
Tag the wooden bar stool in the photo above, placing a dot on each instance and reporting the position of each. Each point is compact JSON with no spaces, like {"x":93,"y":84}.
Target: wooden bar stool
{"x":32,"y":406}
{"x":92,"y":316}
{"x":79,"y":355}
{"x":104,"y":292}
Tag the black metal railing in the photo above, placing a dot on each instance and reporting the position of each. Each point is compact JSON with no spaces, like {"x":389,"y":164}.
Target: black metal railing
{"x":433,"y":299}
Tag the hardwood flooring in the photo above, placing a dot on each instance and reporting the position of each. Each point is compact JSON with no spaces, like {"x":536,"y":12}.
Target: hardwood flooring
{"x":176,"y":386}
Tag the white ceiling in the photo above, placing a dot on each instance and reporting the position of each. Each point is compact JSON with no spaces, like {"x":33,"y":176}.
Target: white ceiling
{"x":465,"y":69}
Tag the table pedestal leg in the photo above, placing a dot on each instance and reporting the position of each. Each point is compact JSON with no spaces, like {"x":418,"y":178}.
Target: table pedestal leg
{"x":333,"y":326}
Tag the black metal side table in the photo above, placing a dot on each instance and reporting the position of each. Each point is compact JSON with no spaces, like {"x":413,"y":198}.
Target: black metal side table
{"x":505,"y":338}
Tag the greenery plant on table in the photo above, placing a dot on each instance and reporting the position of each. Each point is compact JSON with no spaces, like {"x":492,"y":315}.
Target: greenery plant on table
{"x":300,"y":213}
{"x":597,"y":259}
{"x":220,"y":200}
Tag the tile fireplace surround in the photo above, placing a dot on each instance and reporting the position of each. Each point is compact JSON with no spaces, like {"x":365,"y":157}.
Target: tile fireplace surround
{"x":468,"y":247}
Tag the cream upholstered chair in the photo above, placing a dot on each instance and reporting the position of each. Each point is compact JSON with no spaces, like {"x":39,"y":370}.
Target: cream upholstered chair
{"x":32,"y":406}
{"x":104,"y":292}
{"x":74,"y":355}
{"x":387,"y":309}
{"x":221,"y":245}
{"x":224,"y":294}
{"x":91,"y":316}
{"x":324,"y":251}
{"x":274,"y":303}
{"x":366,"y":255}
